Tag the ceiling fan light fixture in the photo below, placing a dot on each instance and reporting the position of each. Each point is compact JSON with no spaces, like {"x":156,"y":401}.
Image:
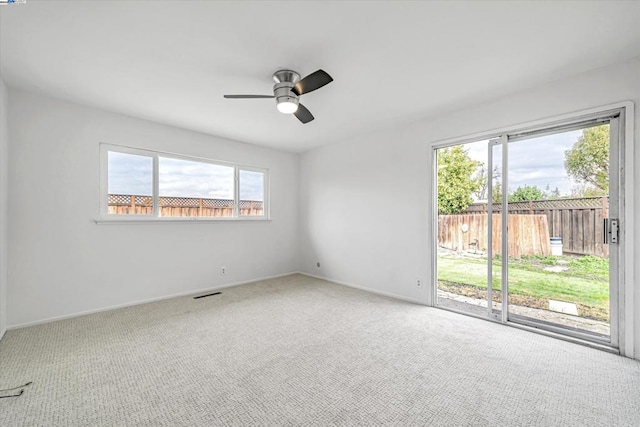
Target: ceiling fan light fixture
{"x":287,"y":90}
{"x":287,"y":105}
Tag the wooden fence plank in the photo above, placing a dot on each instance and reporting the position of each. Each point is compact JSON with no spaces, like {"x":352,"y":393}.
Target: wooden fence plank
{"x":528,"y":234}
{"x":579,"y":236}
{"x":588,"y":221}
{"x":567,"y":237}
{"x":120,"y":204}
{"x":576,"y":230}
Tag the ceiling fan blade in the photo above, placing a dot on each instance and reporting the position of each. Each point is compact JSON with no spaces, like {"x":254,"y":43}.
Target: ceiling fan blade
{"x":303,"y":114}
{"x":247,"y":96}
{"x":312,"y":82}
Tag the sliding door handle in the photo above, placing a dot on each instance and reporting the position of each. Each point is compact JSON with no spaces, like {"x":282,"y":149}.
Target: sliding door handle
{"x":611,"y":230}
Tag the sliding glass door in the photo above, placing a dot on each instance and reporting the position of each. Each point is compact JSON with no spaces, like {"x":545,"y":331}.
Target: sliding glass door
{"x":462,"y":233}
{"x":527,"y":227}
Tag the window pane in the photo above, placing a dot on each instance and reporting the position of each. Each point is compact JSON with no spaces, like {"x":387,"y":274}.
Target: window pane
{"x":569,"y":172}
{"x":130,"y":184}
{"x":251,"y":193}
{"x":188,"y":188}
{"x":464,"y":249}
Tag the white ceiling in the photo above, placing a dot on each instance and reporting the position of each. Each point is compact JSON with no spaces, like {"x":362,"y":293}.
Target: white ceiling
{"x":392,"y":62}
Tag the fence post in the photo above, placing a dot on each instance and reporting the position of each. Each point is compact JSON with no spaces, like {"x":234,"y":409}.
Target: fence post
{"x":200,"y":207}
{"x":133,"y":203}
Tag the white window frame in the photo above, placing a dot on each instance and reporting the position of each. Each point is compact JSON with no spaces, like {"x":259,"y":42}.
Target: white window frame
{"x":626,"y":272}
{"x":106,"y":217}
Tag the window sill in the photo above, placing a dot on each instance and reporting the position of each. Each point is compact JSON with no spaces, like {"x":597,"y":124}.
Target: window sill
{"x":182,"y":220}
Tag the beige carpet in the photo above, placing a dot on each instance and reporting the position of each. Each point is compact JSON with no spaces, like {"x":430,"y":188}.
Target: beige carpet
{"x":300,"y":351}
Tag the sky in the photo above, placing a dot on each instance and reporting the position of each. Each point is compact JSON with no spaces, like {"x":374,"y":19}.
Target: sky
{"x":534,"y":162}
{"x":133,"y":174}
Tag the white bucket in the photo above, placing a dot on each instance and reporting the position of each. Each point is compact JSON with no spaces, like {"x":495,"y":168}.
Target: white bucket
{"x":556,"y":246}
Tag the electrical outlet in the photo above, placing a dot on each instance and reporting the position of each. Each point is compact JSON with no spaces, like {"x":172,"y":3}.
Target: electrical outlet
{"x":418,"y":282}
{"x":223,"y":271}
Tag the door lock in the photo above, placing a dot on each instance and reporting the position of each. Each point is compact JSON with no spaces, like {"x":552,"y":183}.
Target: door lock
{"x":611,"y":230}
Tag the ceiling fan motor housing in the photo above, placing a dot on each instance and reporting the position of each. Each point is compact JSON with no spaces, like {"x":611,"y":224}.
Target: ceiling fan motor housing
{"x":285,"y":79}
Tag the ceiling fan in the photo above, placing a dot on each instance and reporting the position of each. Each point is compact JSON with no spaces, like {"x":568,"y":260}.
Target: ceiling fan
{"x":288,"y":89}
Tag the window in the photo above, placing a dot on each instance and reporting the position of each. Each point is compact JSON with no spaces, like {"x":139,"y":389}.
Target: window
{"x":542,"y":201}
{"x":130,"y":184}
{"x":251,"y":192}
{"x":147,"y":184}
{"x":195,"y":189}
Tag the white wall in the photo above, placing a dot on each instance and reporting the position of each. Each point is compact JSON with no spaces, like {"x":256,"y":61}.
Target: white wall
{"x":363,"y":208}
{"x":364,"y":202}
{"x":4,"y":148}
{"x":62,"y":263}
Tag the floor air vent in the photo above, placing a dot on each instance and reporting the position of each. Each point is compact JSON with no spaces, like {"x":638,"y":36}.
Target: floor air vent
{"x":207,"y":295}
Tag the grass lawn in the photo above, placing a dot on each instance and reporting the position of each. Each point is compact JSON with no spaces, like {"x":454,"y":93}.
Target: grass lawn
{"x":586,"y":282}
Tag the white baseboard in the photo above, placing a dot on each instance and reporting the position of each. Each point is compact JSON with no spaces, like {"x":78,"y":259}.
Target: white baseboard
{"x":364,"y":288}
{"x":210,"y":289}
{"x":144,"y":301}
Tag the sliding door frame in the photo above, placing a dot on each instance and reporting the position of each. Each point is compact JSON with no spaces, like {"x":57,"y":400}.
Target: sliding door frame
{"x":611,"y":118}
{"x":622,"y":327}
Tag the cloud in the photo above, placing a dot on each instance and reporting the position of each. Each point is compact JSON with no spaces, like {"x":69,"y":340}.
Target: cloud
{"x":251,"y":185}
{"x":129,"y":174}
{"x":185,"y":178}
{"x":133,"y":174}
{"x":534,"y":162}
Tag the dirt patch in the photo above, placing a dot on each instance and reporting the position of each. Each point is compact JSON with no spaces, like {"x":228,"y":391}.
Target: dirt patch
{"x":586,"y":311}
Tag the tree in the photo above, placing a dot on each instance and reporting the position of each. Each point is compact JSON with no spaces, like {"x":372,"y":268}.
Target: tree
{"x":585,"y":190}
{"x":588,"y":161}
{"x":526,"y":193}
{"x":455,"y":180}
{"x":551,"y":195}
{"x":483,"y":183}
{"x":496,"y":195}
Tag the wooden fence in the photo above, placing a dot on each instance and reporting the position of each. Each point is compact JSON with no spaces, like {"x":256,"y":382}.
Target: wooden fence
{"x":125,"y":204}
{"x":528,"y":234}
{"x":577,"y":221}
